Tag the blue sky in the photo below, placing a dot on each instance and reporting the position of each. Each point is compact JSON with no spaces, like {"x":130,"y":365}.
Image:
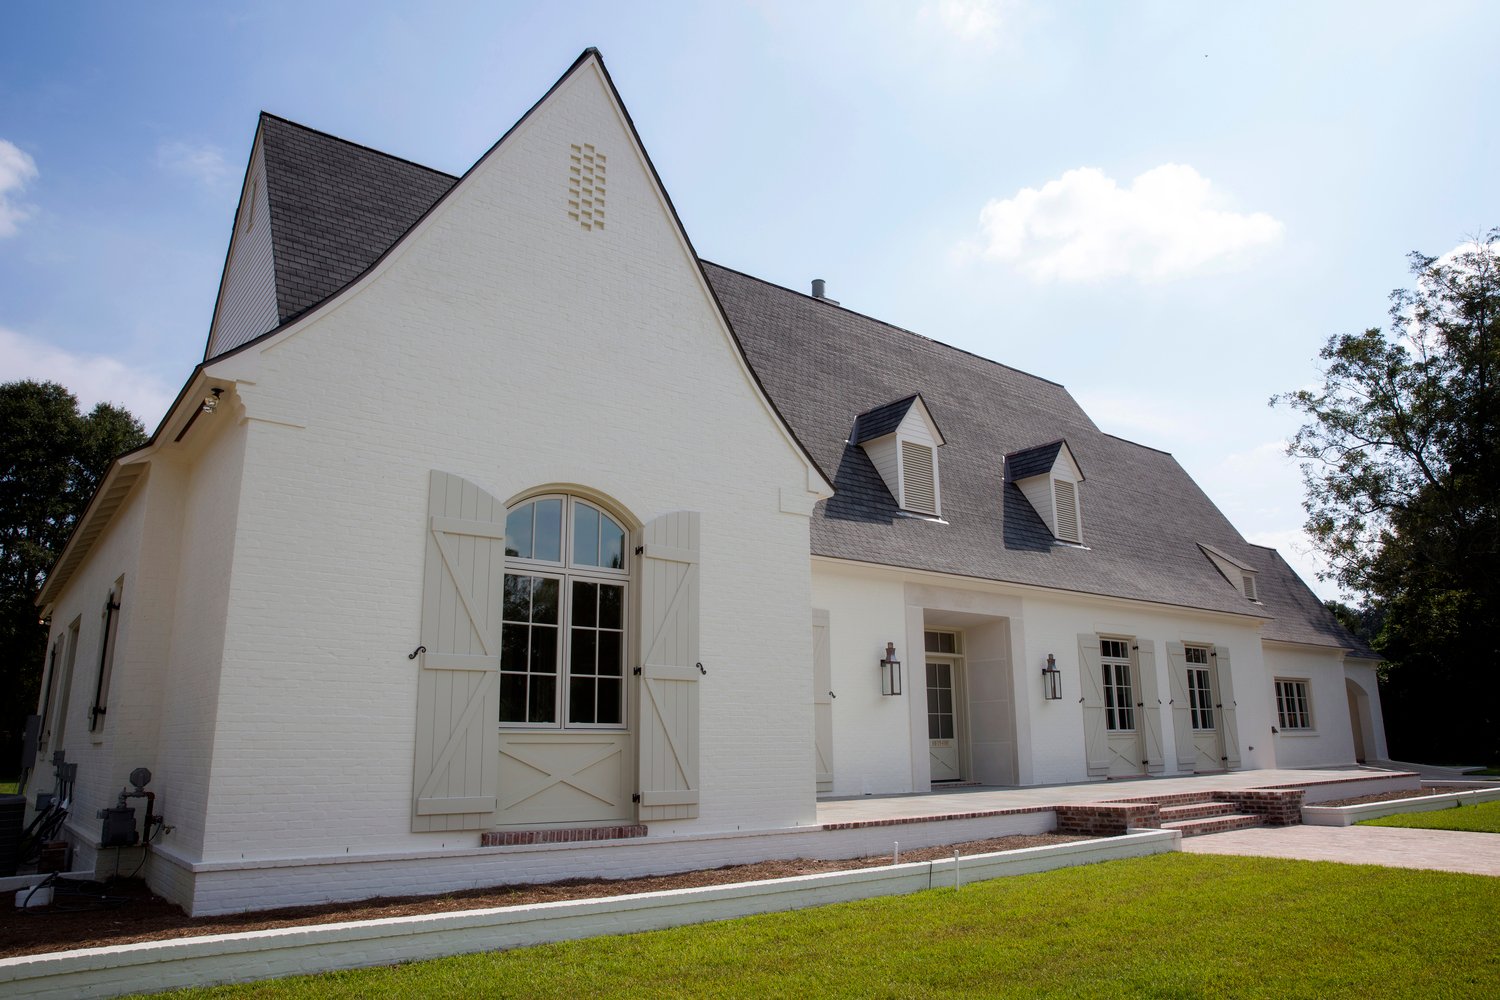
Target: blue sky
{"x":1165,"y":206}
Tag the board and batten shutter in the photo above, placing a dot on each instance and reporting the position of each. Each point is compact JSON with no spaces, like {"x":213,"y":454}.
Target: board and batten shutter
{"x":1182,"y":706}
{"x":1230,"y":728}
{"x":669,"y":667}
{"x":1091,"y":683}
{"x":456,"y":771}
{"x":1150,"y":703}
{"x":822,"y":704}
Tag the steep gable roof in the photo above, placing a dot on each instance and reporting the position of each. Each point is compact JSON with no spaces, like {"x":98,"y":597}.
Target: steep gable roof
{"x":882,"y":420}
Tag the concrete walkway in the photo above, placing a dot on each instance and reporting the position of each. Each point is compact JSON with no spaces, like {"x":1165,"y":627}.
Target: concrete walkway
{"x":978,"y":799}
{"x":1394,"y":847}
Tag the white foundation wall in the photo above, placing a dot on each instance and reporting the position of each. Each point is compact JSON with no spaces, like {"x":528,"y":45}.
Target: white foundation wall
{"x":880,"y":744}
{"x":1331,"y":739}
{"x":506,"y":344}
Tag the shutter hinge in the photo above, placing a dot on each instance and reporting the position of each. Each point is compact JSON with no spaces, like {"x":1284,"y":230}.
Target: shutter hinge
{"x":640,"y":550}
{"x":637,"y":671}
{"x":635,"y":796}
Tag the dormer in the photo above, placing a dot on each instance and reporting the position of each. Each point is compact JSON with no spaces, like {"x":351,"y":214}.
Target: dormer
{"x":902,"y":440}
{"x":1236,"y":572}
{"x":1048,"y":476}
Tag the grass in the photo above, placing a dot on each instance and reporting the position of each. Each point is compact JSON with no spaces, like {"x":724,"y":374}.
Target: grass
{"x":1173,"y":925}
{"x":9,"y":787}
{"x":1480,"y":817}
{"x":1481,"y":772}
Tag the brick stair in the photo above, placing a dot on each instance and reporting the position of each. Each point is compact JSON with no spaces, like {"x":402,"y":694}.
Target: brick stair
{"x":1214,"y":824}
{"x":1195,"y":810}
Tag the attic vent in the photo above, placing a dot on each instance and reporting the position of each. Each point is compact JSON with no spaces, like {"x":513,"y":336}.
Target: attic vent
{"x":586,"y":186}
{"x":918,"y":483}
{"x":1249,"y":579}
{"x":1067,"y":510}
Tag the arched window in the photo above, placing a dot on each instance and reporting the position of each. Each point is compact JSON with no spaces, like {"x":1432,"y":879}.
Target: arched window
{"x":562,"y":651}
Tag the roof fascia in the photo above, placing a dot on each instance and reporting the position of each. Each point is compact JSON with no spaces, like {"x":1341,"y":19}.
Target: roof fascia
{"x":1242,"y":617}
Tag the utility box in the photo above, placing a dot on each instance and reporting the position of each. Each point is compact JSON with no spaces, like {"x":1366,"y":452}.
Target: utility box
{"x":119,"y":827}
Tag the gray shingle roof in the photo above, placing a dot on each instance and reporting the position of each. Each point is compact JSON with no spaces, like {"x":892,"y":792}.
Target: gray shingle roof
{"x":882,"y":420}
{"x":1032,"y":461}
{"x":337,"y":206}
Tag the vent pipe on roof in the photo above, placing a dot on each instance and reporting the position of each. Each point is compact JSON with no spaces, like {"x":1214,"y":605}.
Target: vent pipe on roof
{"x":818,"y":291}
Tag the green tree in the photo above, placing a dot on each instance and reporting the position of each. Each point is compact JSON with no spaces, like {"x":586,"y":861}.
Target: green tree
{"x":1403,"y":496}
{"x":52,"y":458}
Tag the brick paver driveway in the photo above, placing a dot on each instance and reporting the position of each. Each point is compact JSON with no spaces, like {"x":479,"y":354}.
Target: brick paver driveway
{"x":1442,"y":850}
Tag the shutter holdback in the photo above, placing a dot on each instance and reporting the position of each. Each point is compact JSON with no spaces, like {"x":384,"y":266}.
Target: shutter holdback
{"x":413,"y":654}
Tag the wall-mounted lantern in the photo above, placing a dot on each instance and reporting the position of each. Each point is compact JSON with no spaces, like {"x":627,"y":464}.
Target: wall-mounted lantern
{"x":1051,"y":680}
{"x":890,"y":671}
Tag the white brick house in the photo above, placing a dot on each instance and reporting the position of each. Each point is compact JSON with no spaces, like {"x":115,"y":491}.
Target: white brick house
{"x":493,"y":509}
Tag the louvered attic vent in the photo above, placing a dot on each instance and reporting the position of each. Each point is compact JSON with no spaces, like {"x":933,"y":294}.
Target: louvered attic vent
{"x":1067,"y":510}
{"x":918,"y":481}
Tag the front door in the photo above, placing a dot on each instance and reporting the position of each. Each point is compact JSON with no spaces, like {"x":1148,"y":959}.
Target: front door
{"x":943,"y":718}
{"x":1208,"y":742}
{"x":1122,"y":716}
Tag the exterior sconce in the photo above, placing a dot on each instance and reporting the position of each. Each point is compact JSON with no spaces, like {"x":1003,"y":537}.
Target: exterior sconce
{"x":1051,"y":680}
{"x":890,"y":671}
{"x":211,"y":402}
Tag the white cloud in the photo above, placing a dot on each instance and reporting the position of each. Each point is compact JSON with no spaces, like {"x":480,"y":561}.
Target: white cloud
{"x":1083,"y":226}
{"x":16,"y":170}
{"x":973,"y":21}
{"x":93,"y":378}
{"x":204,"y":162}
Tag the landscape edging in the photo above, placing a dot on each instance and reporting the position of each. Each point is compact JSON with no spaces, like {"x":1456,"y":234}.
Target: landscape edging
{"x":1349,"y":815}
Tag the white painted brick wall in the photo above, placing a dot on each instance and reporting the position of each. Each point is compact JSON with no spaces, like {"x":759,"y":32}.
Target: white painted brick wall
{"x":506,"y":345}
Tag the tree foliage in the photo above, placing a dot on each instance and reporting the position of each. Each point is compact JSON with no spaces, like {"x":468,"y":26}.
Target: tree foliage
{"x":1403,"y":495}
{"x":52,"y":458}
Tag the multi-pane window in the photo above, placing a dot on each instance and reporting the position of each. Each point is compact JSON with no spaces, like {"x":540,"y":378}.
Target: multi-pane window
{"x":1293,"y":706}
{"x":1200,"y":689}
{"x":1119,"y":700}
{"x":940,"y":642}
{"x":562,"y":650}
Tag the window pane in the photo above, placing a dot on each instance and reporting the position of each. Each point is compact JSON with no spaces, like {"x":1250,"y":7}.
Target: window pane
{"x":611,"y":544}
{"x":585,"y":603}
{"x":512,"y":697}
{"x":544,"y":601}
{"x":513,"y":647}
{"x":518,"y":532}
{"x":947,"y":727}
{"x":581,"y":700}
{"x":930,"y":643}
{"x":549,"y":530}
{"x":517,"y":598}
{"x":934,"y":727}
{"x":610,"y":710}
{"x":581,"y":656}
{"x":585,"y":535}
{"x":931,"y":674}
{"x":611,"y":654}
{"x":611,"y":606}
{"x":543,"y":649}
{"x":542,"y":705}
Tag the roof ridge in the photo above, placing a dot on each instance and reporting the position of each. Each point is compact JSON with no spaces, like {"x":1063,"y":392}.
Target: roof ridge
{"x":358,"y":145}
{"x":887,"y":324}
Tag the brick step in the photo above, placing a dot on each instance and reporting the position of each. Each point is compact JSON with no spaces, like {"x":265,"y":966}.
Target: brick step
{"x":1177,"y":798}
{"x":1213,"y":824}
{"x":1197,"y":810}
{"x":568,"y":835}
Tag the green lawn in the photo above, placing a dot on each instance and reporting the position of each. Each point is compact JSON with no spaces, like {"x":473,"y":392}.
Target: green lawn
{"x":9,"y":787}
{"x":1174,"y":925}
{"x":1481,"y":817}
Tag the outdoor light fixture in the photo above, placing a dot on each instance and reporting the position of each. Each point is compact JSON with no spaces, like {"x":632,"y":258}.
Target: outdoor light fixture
{"x":211,"y":402}
{"x":1051,"y":680}
{"x":890,"y":671}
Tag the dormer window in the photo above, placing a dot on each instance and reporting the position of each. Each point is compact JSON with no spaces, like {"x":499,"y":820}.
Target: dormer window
{"x":1241,"y":576}
{"x":902,"y":440}
{"x":1048,"y":476}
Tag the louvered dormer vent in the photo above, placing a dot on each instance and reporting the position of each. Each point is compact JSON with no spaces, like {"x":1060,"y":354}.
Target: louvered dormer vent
{"x":918,"y":479}
{"x":1067,"y":509}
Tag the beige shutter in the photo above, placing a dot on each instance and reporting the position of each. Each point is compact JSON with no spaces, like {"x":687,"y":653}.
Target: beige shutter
{"x":1229,"y":728}
{"x":822,"y":704}
{"x":1182,"y":706}
{"x":455,"y":775}
{"x":1091,"y":684}
{"x":669,"y":668}
{"x":1150,"y":703}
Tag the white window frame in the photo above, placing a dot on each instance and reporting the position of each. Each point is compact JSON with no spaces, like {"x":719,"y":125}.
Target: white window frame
{"x":566,"y":573}
{"x":1199,"y":664}
{"x":1289,"y":691}
{"x":1111,"y":666}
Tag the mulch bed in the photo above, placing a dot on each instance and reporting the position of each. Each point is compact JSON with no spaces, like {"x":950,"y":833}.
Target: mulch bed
{"x":124,"y":911}
{"x":1410,"y":793}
